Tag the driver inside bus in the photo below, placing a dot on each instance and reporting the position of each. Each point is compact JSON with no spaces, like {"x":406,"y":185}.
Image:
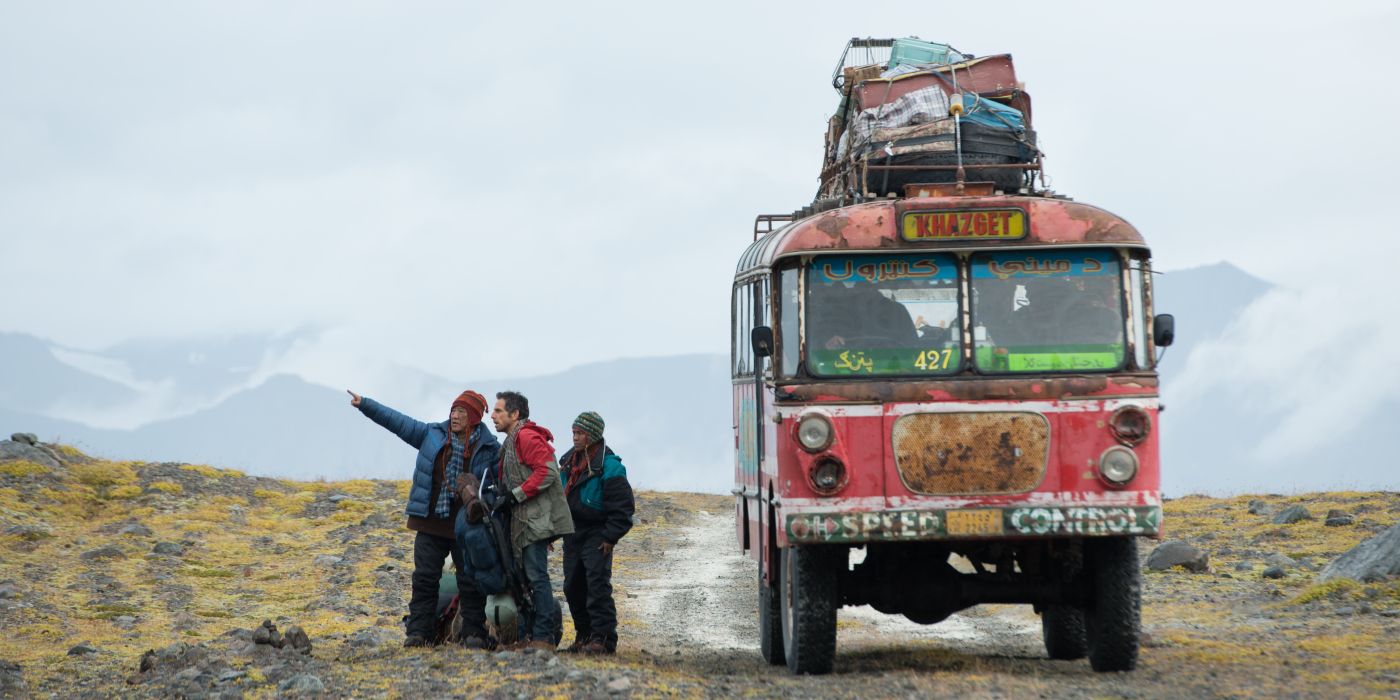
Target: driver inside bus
{"x":859,"y":316}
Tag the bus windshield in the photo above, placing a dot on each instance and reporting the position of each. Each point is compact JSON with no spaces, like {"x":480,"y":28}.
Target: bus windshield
{"x":1047,"y":311}
{"x":883,"y":314}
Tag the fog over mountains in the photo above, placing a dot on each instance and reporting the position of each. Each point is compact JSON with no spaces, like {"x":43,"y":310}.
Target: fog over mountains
{"x":225,"y":402}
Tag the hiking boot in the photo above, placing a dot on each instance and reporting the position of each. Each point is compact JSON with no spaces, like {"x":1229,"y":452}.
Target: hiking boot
{"x":541,"y":645}
{"x":575,"y":647}
{"x":415,"y":640}
{"x":595,"y":647}
{"x":474,"y":642}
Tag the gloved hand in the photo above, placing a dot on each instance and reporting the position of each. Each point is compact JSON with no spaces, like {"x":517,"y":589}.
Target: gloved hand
{"x":507,"y":500}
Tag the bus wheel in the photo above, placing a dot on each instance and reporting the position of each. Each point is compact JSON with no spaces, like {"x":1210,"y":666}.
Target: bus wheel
{"x":1113,"y":616}
{"x":1062,"y":627}
{"x":809,"y":599}
{"x":770,"y":619}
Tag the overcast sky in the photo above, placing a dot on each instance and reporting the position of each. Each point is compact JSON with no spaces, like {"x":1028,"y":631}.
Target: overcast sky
{"x":508,"y":189}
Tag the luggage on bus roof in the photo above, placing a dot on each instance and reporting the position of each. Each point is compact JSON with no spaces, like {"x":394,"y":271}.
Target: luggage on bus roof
{"x":914,"y":50}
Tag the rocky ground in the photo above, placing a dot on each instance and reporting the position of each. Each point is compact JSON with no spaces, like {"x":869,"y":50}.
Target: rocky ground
{"x":157,"y":580}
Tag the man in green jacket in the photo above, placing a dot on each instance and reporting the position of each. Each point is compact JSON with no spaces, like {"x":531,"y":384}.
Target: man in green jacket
{"x":534,"y":493}
{"x":600,"y":500}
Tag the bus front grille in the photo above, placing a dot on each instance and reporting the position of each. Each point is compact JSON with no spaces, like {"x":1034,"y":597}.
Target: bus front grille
{"x":971,"y":453}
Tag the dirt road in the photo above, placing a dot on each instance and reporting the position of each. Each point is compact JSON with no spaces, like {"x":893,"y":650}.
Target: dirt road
{"x":692,"y":609}
{"x":701,"y":595}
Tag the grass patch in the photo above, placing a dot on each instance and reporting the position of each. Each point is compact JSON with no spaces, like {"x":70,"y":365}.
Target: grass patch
{"x":211,"y":472}
{"x":1334,"y":589}
{"x":206,"y":572}
{"x":125,"y":492}
{"x":118,"y":608}
{"x":169,"y":487}
{"x":23,"y":469}
{"x":363,"y":488}
{"x":101,"y":475}
{"x":351,"y":511}
{"x":69,"y":451}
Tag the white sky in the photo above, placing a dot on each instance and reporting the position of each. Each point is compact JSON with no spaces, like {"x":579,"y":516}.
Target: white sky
{"x":480,"y":190}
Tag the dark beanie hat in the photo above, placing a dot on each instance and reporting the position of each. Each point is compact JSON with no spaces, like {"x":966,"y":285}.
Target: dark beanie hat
{"x":591,"y":424}
{"x":474,"y":403}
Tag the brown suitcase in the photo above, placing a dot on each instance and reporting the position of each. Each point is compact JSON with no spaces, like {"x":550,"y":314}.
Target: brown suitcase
{"x":993,"y":77}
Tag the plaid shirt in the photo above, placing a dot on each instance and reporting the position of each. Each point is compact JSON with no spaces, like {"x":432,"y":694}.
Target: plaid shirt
{"x":455,"y":460}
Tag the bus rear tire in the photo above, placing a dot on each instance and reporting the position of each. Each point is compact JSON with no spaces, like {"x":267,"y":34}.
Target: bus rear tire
{"x":770,"y":619}
{"x":1112,"y":619}
{"x":809,"y":603}
{"x":1062,"y":627}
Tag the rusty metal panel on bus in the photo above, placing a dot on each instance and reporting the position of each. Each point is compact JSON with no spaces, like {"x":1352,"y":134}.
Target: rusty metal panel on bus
{"x":971,"y":453}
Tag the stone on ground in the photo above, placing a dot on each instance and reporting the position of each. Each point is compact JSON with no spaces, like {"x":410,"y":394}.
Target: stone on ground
{"x":1338,"y":518}
{"x":301,"y":683}
{"x":11,"y":450}
{"x":1376,"y":559}
{"x":1178,"y":553}
{"x":1292,"y":514}
{"x":110,"y":551}
{"x":12,"y":680}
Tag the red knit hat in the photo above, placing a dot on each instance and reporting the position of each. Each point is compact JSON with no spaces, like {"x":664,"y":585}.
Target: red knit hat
{"x":474,"y":403}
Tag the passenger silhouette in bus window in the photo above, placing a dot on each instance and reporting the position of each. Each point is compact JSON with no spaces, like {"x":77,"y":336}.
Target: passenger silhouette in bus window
{"x":1059,"y":311}
{"x":931,"y":335}
{"x":858,"y":316}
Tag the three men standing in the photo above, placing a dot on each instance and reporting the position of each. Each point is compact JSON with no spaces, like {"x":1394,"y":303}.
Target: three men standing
{"x":539,"y":514}
{"x":446,"y":451}
{"x":600,"y":501}
{"x":588,"y":502}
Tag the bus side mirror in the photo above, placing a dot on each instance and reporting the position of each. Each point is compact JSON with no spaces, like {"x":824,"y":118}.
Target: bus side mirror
{"x":1163,"y":330}
{"x":762,"y":337}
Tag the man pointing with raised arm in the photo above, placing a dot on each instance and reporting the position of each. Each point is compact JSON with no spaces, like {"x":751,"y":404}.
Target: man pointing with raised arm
{"x":446,"y":451}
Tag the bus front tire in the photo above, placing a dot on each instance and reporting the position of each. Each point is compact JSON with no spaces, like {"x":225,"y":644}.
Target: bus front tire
{"x":809,"y":602}
{"x":1062,"y":627}
{"x":770,"y":619}
{"x":1112,"y":619}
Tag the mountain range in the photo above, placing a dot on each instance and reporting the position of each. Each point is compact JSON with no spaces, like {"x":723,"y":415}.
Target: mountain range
{"x":669,"y":417}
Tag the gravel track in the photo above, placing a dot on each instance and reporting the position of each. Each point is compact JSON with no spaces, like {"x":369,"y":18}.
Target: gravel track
{"x":701,"y":596}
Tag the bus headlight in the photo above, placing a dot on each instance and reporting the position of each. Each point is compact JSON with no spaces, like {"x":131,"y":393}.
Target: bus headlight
{"x":828,"y":475}
{"x":1130,"y":425}
{"x":814,"y":432}
{"x":1118,"y":465}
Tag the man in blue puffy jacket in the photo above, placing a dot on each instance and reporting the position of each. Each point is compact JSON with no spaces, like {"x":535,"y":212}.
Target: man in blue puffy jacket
{"x":601,"y":503}
{"x":448,"y":450}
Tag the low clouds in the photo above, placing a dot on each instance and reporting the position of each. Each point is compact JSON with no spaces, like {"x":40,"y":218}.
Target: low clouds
{"x":1302,"y":384}
{"x":497,"y":190}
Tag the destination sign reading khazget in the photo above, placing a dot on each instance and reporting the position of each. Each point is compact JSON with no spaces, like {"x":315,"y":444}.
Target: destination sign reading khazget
{"x":950,"y":225}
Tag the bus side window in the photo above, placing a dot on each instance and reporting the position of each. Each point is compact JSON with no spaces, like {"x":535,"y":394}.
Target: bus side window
{"x":745,"y":348}
{"x":788,"y":337}
{"x":763,"y":316}
{"x":1138,"y":298}
{"x":743,"y":310}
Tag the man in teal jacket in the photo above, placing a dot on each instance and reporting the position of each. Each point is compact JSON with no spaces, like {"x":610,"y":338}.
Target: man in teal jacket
{"x":601,"y":503}
{"x":447,"y":451}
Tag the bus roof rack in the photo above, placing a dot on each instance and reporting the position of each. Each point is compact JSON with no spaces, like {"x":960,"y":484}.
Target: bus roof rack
{"x":763,"y":223}
{"x":867,"y":51}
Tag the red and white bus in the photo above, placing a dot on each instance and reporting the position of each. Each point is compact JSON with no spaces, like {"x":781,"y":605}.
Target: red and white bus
{"x":947,"y":400}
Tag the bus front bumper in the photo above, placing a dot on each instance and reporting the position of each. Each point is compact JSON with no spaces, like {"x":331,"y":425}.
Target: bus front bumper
{"x":814,"y":526}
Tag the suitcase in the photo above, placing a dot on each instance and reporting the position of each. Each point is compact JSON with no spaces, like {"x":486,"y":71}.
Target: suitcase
{"x":989,"y":76}
{"x":992,"y":77}
{"x":914,"y":51}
